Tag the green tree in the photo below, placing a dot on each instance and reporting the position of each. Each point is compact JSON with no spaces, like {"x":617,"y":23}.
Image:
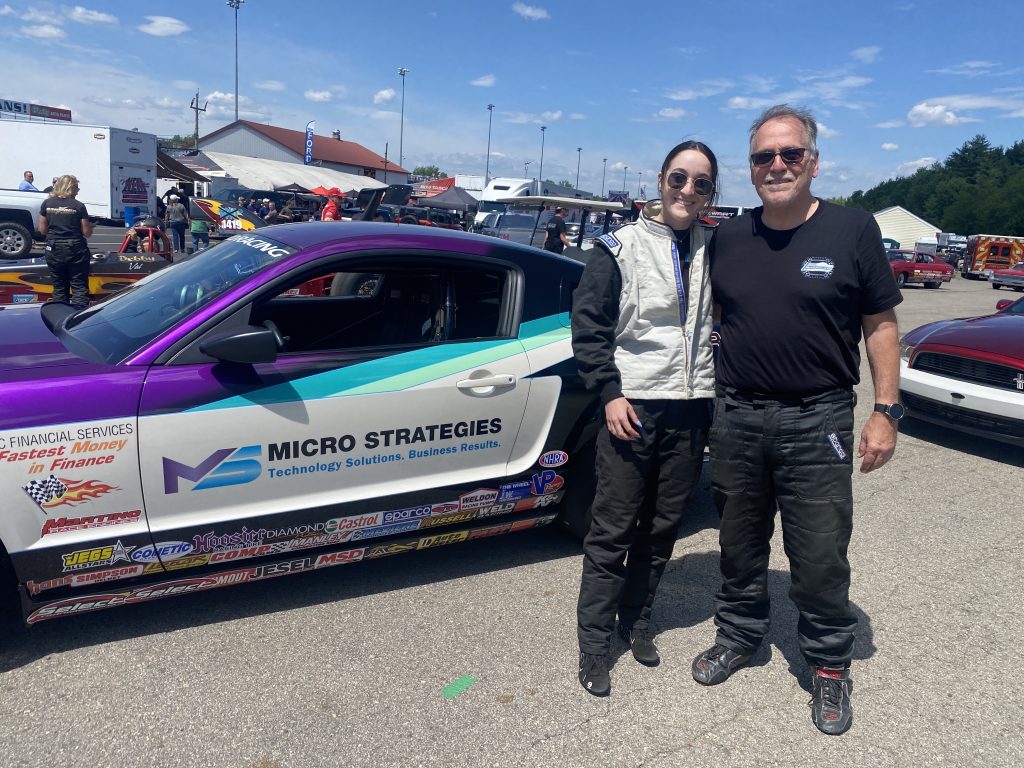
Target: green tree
{"x":429,"y":171}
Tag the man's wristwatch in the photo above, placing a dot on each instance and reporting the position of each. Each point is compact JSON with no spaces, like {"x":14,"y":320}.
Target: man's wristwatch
{"x":896,"y":411}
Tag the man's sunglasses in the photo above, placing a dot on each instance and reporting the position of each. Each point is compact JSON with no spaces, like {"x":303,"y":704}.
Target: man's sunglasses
{"x":701,"y":185}
{"x":790,"y":156}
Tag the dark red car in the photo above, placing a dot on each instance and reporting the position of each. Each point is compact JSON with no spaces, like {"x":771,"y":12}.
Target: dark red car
{"x":916,"y":267}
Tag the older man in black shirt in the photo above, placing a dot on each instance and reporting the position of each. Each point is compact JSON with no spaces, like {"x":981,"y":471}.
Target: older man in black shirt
{"x":798,"y":280}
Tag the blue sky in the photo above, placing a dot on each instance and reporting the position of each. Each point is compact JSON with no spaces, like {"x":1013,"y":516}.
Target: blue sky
{"x":894,"y":85}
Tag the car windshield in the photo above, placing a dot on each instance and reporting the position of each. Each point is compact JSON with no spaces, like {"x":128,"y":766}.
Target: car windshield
{"x":132,"y":318}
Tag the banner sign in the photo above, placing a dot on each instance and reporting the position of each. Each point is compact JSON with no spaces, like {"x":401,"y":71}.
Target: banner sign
{"x":34,"y":110}
{"x":433,"y":187}
{"x":309,"y":142}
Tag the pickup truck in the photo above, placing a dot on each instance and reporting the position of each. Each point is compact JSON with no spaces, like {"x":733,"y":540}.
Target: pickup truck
{"x":916,"y":267}
{"x":19,"y":212}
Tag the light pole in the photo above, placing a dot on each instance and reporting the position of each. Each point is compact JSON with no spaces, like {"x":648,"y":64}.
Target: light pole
{"x":540,"y":174}
{"x":401,"y":126}
{"x":624,"y":169}
{"x":526,"y":168}
{"x":641,"y":173}
{"x":579,"y":155}
{"x":487,"y":165}
{"x":236,"y":4}
{"x":604,"y":168}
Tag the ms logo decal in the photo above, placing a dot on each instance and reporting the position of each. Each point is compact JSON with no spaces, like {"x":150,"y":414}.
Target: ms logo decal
{"x":228,"y":466}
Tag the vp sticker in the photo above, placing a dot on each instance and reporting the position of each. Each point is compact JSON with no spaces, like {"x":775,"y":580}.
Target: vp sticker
{"x":817,"y":268}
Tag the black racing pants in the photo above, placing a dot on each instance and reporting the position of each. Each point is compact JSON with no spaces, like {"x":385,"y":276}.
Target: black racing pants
{"x":643,"y":488}
{"x":796,"y":456}
{"x":68,"y":262}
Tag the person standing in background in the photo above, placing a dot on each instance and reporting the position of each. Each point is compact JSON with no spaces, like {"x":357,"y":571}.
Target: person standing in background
{"x":177,"y":219}
{"x":26,"y":183}
{"x":555,"y":238}
{"x":64,"y":221}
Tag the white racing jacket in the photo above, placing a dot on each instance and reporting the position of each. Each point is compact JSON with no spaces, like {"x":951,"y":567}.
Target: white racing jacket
{"x":658,"y":343}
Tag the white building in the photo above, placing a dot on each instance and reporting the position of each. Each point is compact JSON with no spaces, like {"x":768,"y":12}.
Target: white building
{"x":899,"y":224}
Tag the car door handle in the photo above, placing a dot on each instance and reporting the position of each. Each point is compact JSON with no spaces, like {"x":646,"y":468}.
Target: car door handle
{"x":500,"y":380}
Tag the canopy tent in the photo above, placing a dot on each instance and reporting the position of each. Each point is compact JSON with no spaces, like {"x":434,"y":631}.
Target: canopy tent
{"x":452,"y":199}
{"x":256,"y":173}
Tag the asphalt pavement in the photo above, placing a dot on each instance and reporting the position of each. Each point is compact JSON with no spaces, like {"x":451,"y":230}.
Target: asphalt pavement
{"x":466,"y":655}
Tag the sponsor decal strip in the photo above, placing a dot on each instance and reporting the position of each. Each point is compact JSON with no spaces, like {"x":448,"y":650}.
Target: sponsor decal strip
{"x":88,"y":603}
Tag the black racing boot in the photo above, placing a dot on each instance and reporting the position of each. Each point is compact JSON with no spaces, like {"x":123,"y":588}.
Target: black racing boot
{"x":830,"y":705}
{"x":641,"y":643}
{"x":716,"y":664}
{"x":594,"y":675}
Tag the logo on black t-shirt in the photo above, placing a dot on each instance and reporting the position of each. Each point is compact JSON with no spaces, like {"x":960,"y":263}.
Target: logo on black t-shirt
{"x":818,"y":268}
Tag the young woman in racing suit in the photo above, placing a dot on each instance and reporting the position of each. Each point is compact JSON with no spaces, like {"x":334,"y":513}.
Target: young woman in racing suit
{"x":641,"y":334}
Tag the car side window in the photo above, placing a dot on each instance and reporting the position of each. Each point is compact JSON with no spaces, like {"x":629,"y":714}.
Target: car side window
{"x":383,"y":305}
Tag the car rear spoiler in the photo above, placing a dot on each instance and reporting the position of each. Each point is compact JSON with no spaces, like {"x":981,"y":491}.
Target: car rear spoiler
{"x":547,"y":201}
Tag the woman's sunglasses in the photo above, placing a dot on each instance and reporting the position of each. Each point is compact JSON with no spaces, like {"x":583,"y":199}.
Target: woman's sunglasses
{"x":790,"y":156}
{"x":701,"y":185}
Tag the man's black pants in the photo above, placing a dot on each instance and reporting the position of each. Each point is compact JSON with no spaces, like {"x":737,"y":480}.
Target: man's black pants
{"x":643,"y":488}
{"x":68,"y":262}
{"x":798,"y":456}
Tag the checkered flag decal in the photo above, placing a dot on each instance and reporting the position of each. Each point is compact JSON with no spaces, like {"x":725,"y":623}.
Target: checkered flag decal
{"x":43,"y":491}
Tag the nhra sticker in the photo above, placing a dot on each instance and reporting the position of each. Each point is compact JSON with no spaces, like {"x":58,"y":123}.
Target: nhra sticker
{"x":553,"y":459}
{"x":818,"y":268}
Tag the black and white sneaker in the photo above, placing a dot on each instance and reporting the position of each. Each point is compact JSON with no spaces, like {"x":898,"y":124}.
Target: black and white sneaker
{"x":641,"y":643}
{"x":594,"y":675}
{"x":830,"y":705}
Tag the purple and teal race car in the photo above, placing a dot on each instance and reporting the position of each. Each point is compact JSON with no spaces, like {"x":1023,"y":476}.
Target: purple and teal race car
{"x":288,"y":400}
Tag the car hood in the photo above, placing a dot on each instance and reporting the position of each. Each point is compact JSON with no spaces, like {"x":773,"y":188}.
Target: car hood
{"x":1001,"y":335}
{"x":26,"y":342}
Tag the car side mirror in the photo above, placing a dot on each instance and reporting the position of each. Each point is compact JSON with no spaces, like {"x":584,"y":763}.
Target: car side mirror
{"x":250,"y":346}
{"x":1003,"y":304}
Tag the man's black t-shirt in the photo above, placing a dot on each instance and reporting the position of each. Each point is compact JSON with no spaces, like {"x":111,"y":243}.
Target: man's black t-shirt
{"x":64,"y":217}
{"x":555,"y":228}
{"x":793,"y":300}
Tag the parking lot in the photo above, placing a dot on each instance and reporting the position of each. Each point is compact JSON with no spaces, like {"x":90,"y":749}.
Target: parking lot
{"x":466,"y":655}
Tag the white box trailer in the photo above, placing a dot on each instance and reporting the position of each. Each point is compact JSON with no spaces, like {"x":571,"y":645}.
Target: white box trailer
{"x":116,"y":168}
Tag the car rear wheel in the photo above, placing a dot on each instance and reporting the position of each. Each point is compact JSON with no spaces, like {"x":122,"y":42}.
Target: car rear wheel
{"x":996,"y":286}
{"x":901,"y":279}
{"x":15,"y":240}
{"x":933,"y":285}
{"x":575,"y":515}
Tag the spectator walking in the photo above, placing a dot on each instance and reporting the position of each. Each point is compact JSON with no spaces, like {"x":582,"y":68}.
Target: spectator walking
{"x":200,"y":231}
{"x":555,"y":239}
{"x":26,"y":185}
{"x":177,"y":219}
{"x":798,"y":281}
{"x":64,"y":221}
{"x":641,"y":333}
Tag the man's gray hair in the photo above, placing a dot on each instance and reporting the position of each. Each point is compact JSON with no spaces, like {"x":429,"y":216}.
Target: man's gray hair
{"x":800,"y":114}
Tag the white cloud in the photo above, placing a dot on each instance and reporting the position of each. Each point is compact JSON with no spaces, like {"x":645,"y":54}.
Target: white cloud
{"x":551,"y":117}
{"x":867,"y":54}
{"x":87,"y":16}
{"x":671,"y":113}
{"x":484,"y":81}
{"x":827,"y":133}
{"x":907,"y":169}
{"x":531,"y":12}
{"x":385,"y":96}
{"x":577,"y":116}
{"x":748,"y":102}
{"x":39,"y":16}
{"x":966,"y":69}
{"x":530,"y":117}
{"x":8,"y":11}
{"x":707,"y":88}
{"x":933,"y":114}
{"x":890,"y":147}
{"x":320,"y":96}
{"x":890,"y":124}
{"x":163,"y":26}
{"x":43,"y":32}
{"x":269,"y":85}
{"x":184,"y":85}
{"x":759,"y":84}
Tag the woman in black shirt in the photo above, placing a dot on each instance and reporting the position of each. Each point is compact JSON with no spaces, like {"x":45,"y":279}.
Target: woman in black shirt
{"x":65,"y":223}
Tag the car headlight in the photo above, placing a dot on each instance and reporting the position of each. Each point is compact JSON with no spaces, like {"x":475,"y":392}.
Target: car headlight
{"x":906,"y":350}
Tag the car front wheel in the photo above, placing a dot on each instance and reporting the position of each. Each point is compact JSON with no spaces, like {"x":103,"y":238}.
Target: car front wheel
{"x":15,"y":240}
{"x":996,"y":286}
{"x":901,"y":279}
